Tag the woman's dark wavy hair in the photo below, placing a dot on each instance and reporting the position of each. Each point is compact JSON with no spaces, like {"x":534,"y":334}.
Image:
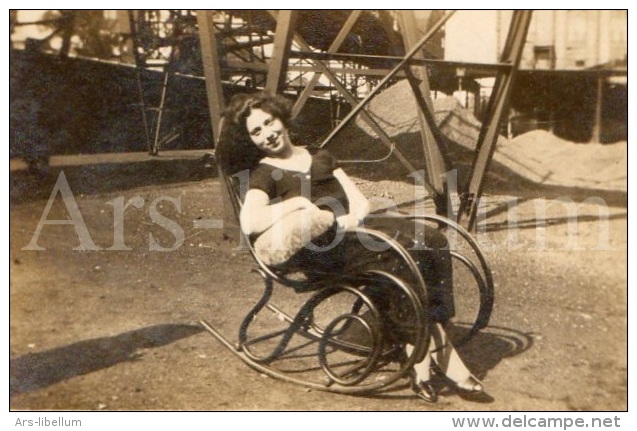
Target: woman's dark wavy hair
{"x":235,"y":151}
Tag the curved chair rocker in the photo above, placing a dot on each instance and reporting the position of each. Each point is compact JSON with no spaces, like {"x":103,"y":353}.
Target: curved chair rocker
{"x":342,"y":337}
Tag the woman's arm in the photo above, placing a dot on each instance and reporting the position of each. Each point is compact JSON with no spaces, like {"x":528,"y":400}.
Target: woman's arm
{"x":257,"y":214}
{"x":358,"y":203}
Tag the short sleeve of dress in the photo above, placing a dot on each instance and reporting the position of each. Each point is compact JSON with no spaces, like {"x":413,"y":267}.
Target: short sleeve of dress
{"x":324,"y":164}
{"x":261,"y":179}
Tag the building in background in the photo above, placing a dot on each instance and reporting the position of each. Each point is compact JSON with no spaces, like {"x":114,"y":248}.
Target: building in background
{"x":573,"y":78}
{"x":557,"y":39}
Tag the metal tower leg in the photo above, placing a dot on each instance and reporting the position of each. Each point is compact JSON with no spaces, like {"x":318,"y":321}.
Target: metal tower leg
{"x":139,"y":67}
{"x":212,"y":69}
{"x":498,"y":105}
{"x":433,"y":147}
{"x":282,"y":44}
{"x":216,"y":104}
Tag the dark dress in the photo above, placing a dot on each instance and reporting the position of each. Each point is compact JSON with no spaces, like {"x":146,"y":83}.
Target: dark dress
{"x":346,"y":253}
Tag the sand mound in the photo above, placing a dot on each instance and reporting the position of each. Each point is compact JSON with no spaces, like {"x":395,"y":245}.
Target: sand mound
{"x":395,"y":110}
{"x":546,"y":159}
{"x":538,"y":156}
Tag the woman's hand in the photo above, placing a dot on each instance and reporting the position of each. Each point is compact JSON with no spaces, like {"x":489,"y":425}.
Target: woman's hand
{"x":347,"y":222}
{"x":300,"y":203}
{"x":358,"y":203}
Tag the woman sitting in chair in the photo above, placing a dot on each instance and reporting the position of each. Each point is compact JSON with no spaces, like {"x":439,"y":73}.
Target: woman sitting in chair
{"x":284,"y":178}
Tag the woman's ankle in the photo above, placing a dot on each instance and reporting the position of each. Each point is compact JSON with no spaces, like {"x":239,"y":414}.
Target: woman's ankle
{"x":455,"y":371}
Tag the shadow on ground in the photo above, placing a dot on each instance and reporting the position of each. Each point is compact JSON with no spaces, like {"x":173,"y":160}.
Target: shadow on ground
{"x":37,"y":370}
{"x":491,"y":345}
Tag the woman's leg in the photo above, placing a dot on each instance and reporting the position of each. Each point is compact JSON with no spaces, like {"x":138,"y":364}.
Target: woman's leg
{"x":422,"y":370}
{"x":446,"y":357}
{"x":430,"y":250}
{"x":421,"y":377}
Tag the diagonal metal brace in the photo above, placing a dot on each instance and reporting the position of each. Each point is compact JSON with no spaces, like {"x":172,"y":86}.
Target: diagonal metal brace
{"x":498,"y":105}
{"x":323,"y":68}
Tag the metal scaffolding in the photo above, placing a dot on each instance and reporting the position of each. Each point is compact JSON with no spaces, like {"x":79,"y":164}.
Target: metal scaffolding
{"x":276,"y":51}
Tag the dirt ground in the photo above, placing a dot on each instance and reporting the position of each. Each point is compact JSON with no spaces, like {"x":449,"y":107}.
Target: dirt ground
{"x":118,"y":329}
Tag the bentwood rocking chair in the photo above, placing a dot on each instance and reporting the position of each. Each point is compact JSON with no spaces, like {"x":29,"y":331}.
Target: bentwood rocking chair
{"x":339,"y":335}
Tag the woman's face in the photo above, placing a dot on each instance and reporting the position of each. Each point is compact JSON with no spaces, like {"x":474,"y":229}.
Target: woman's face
{"x":268,"y":133}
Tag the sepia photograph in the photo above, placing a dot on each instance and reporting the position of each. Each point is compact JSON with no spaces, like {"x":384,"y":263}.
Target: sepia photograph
{"x":305,"y":210}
